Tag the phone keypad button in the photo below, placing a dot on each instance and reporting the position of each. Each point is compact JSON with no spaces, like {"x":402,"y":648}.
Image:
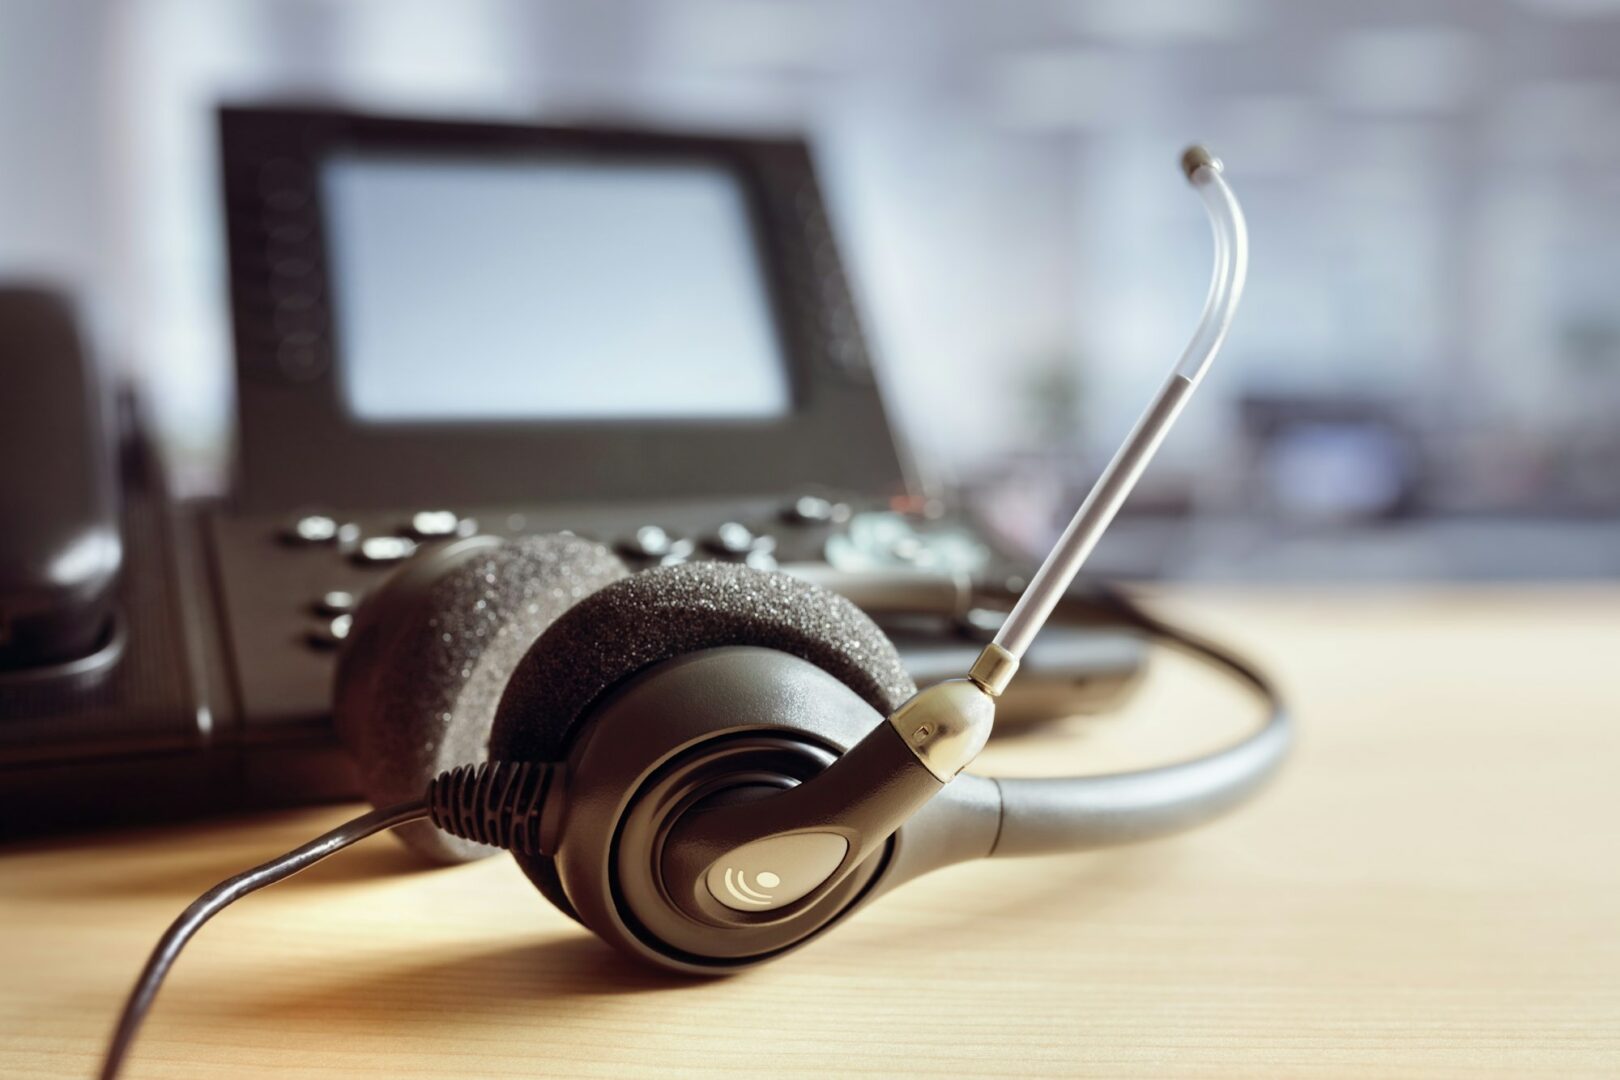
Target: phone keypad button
{"x":814,"y":510}
{"x":332,"y":633}
{"x":679,"y":551}
{"x":731,"y":538}
{"x":648,"y":542}
{"x":808,"y":510}
{"x":438,"y":524}
{"x":382,"y":550}
{"x":336,"y":602}
{"x":312,"y":529}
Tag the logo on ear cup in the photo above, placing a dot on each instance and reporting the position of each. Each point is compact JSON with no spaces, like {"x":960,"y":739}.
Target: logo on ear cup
{"x":800,"y":863}
{"x":737,"y":885}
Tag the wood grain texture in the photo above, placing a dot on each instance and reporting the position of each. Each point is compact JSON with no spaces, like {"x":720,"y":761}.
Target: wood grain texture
{"x":1432,"y":887}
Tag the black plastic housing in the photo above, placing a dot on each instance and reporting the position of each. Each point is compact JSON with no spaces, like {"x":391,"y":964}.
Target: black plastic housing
{"x":688,"y":720}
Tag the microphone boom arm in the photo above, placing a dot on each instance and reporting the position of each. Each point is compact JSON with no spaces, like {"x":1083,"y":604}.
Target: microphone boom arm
{"x":997,"y":664}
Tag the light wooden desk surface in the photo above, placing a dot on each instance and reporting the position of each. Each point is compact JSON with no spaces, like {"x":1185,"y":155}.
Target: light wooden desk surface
{"x":1433,"y":886}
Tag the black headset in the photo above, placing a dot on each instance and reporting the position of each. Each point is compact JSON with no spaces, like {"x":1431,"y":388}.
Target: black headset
{"x":709,"y":765}
{"x":653,"y":734}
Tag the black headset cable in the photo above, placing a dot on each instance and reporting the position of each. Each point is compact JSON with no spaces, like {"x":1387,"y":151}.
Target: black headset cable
{"x":215,"y":900}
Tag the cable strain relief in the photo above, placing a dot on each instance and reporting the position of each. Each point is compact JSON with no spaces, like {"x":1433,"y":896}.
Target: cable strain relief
{"x":500,"y":803}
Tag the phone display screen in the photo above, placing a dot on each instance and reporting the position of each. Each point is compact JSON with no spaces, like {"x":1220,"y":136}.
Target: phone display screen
{"x":535,"y":288}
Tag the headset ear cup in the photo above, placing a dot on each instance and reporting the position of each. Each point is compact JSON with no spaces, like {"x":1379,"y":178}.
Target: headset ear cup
{"x":431,"y":652}
{"x":665,"y":612}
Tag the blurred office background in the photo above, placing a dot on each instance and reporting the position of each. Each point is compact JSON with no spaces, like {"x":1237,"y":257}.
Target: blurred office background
{"x":1424,"y":381}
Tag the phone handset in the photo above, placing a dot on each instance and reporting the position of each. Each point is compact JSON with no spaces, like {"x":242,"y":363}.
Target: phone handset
{"x":60,"y":548}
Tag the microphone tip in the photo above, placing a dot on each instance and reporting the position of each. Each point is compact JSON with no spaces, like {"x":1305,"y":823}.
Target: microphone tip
{"x":1196,"y":157}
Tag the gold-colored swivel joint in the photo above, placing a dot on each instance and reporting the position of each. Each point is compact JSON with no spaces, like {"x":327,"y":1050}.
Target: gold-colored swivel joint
{"x":994,"y":669}
{"x":948,"y":724}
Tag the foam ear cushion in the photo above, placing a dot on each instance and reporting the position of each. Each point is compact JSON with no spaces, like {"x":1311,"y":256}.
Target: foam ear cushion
{"x":660,"y":614}
{"x":432,"y":650}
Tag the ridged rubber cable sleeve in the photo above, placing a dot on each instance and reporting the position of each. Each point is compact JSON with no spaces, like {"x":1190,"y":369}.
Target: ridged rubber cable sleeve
{"x":505,"y":804}
{"x":1066,"y":814}
{"x":215,"y":900}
